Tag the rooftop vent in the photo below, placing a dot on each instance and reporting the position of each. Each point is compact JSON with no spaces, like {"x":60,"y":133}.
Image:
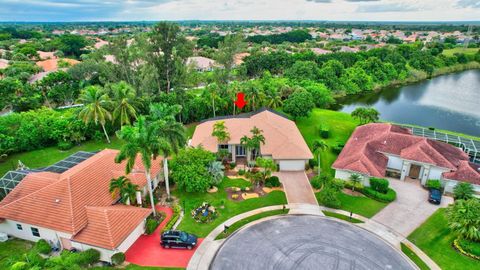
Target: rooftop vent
{"x":57,"y":200}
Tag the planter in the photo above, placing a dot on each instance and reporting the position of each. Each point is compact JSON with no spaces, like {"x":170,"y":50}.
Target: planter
{"x":212,"y":190}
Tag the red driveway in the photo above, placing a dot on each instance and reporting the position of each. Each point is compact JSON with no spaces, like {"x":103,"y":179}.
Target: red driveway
{"x":146,"y":251}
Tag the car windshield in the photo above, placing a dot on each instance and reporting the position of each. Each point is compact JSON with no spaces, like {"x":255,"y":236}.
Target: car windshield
{"x":183,"y":236}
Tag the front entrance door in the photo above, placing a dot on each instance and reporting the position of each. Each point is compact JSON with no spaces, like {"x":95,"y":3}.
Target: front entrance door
{"x":240,"y":151}
{"x":414,"y":171}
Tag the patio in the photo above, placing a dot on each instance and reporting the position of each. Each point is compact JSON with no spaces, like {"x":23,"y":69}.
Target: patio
{"x":146,"y":251}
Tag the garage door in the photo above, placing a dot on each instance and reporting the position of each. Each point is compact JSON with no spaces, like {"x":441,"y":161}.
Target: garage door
{"x":292,"y":165}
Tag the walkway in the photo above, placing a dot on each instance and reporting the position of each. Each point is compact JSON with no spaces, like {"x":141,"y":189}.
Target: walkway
{"x":297,"y":187}
{"x":146,"y":251}
{"x":410,"y":209}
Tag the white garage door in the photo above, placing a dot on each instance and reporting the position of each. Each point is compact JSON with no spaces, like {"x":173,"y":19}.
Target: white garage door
{"x":292,"y":165}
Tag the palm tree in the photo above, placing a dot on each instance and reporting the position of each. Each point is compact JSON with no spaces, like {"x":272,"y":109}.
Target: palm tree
{"x":213,"y":91}
{"x":253,"y":142}
{"x":125,"y":108}
{"x":464,"y":218}
{"x":96,"y":107}
{"x":171,"y":136}
{"x":274,"y":101}
{"x":254,"y":95}
{"x":142,"y":140}
{"x":318,"y":147}
{"x":116,"y":185}
{"x":221,"y":132}
{"x":355,"y":178}
{"x":129,"y":193}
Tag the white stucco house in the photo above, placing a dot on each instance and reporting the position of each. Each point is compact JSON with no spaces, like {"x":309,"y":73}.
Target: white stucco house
{"x":74,"y":208}
{"x":380,"y":150}
{"x":283,"y":141}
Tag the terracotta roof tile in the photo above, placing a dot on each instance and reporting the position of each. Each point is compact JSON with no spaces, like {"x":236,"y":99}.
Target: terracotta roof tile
{"x":466,"y":172}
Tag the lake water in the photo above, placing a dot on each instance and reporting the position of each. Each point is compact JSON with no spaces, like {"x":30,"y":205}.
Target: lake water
{"x":450,"y":102}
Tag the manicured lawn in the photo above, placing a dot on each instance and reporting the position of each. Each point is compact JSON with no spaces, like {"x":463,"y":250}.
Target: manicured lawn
{"x":194,"y":200}
{"x":363,"y":206}
{"x":237,"y":225}
{"x":435,"y":239}
{"x":341,"y":126}
{"x":467,"y":51}
{"x":48,"y":156}
{"x":414,"y":257}
{"x":136,"y":267}
{"x":12,"y":248}
{"x":342,"y":217}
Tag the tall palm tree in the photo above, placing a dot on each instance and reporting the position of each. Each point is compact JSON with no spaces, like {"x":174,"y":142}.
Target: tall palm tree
{"x":355,"y":178}
{"x":125,"y":103}
{"x":253,"y":142}
{"x":96,"y":107}
{"x":254,"y":95}
{"x":141,"y":139}
{"x":213,"y":92}
{"x":274,"y":101}
{"x":221,"y":132}
{"x":171,"y":134}
{"x":318,"y":147}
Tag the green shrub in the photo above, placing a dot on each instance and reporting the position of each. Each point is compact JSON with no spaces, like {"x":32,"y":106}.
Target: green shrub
{"x":336,"y":149}
{"x":469,"y":246}
{"x":325,"y":133}
{"x":272,"y":181}
{"x":390,"y":196}
{"x":64,"y":145}
{"x":316,"y":182}
{"x":312,"y":163}
{"x":329,"y":198}
{"x":241,"y":172}
{"x":176,"y":214}
{"x":463,"y":191}
{"x":233,"y":165}
{"x":336,"y":184}
{"x":88,"y":257}
{"x":151,"y":225}
{"x":358,"y":186}
{"x":379,"y":184}
{"x":118,"y":258}
{"x":433,"y":184}
{"x":43,"y":247}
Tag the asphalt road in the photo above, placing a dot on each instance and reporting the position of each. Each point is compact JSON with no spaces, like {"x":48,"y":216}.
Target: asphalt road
{"x":306,"y":242}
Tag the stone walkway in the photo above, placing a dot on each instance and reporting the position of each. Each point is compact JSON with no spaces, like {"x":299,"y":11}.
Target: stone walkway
{"x":297,"y":187}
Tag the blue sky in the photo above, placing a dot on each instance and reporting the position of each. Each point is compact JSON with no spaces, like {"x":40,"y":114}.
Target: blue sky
{"x":122,"y":10}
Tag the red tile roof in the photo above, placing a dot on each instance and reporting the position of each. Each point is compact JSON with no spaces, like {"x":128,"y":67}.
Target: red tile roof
{"x":109,"y":226}
{"x":364,"y":150}
{"x":466,"y":172}
{"x":60,"y":201}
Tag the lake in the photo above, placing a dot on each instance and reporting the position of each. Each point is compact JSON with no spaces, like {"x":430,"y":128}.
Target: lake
{"x":450,"y":102}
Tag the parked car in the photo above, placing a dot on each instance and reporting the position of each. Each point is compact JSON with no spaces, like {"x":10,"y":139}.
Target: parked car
{"x":434,"y":196}
{"x":178,"y":239}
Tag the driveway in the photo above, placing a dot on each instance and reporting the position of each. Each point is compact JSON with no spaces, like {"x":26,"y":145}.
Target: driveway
{"x":410,"y":209}
{"x":146,"y":251}
{"x":307,"y":242}
{"x":297,"y":187}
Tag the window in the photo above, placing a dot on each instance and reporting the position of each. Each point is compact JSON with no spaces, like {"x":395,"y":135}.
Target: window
{"x":19,"y":227}
{"x":223,"y":146}
{"x":35,"y":232}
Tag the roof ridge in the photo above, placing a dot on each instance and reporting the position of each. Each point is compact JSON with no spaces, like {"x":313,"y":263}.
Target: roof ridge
{"x":70,"y":204}
{"x":435,"y":149}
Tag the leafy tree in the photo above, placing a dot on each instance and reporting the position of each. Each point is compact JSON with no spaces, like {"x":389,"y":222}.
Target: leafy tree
{"x":231,"y":45}
{"x":169,"y":65}
{"x":190,"y":169}
{"x":303,"y":70}
{"x":9,"y":88}
{"x":124,"y":103}
{"x":299,"y":104}
{"x":220,"y":131}
{"x":394,"y":40}
{"x":318,"y":147}
{"x":464,"y":218}
{"x":365,"y":115}
{"x":59,"y":88}
{"x":267,"y":164}
{"x":463,"y":191}
{"x":96,"y":107}
{"x":140,"y":140}
{"x":71,"y":44}
{"x":322,"y":97}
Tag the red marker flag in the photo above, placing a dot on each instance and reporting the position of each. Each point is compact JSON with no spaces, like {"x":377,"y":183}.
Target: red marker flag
{"x":240,"y":102}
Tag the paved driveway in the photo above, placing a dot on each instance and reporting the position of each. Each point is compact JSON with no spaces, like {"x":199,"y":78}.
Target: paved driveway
{"x":297,"y":187}
{"x":307,"y":242}
{"x":410,"y":209}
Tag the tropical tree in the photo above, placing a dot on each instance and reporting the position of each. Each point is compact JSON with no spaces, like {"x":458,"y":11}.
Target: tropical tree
{"x":124,"y":102}
{"x":318,"y":147}
{"x":142,"y":140}
{"x":463,"y":191}
{"x":253,"y":143}
{"x":355,"y":178}
{"x":96,"y":107}
{"x":299,"y":104}
{"x":365,"y":115}
{"x":267,"y":164}
{"x":116,"y":185}
{"x":220,"y":131}
{"x":129,"y":193}
{"x":122,"y":187}
{"x":212,"y":90}
{"x":464,"y":218}
{"x":170,"y":132}
{"x":216,"y":170}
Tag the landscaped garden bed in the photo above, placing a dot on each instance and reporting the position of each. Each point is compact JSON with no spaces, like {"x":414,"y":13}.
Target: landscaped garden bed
{"x":226,"y":208}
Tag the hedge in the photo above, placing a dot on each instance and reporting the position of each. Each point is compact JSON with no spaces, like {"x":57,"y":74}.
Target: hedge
{"x":358,"y":186}
{"x":272,"y":182}
{"x":433,"y":184}
{"x":390,"y":196}
{"x":176,"y":215}
{"x":379,"y":184}
{"x":43,"y":247}
{"x":118,"y":258}
{"x":466,"y":248}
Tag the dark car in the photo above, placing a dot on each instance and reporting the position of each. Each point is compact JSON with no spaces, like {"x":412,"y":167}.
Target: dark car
{"x":435,"y":196}
{"x":178,"y":239}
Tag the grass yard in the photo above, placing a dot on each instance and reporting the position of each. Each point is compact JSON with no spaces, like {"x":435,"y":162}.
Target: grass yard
{"x":237,"y":225}
{"x":467,"y":51}
{"x":341,"y":126}
{"x":362,"y":206}
{"x":435,"y":239}
{"x":190,"y":129}
{"x":342,"y":217}
{"x":12,"y":248}
{"x":414,"y":257}
{"x":194,"y":200}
